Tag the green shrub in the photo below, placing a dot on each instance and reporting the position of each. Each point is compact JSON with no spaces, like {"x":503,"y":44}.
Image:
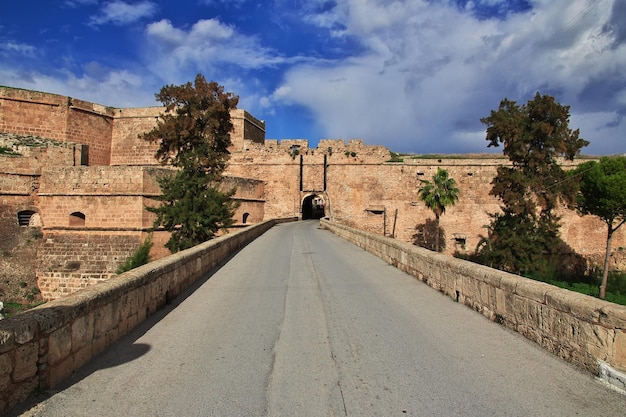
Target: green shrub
{"x":140,"y":257}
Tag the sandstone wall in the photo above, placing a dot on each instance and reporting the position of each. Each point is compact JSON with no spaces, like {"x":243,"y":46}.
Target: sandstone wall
{"x":126,"y":147}
{"x":33,"y":113}
{"x":367,"y":192}
{"x":60,"y":118}
{"x":246,"y":130}
{"x":45,"y":345}
{"x":91,"y":124}
{"x":70,"y":261}
{"x":583,"y":330}
{"x":109,"y":197}
{"x":94,"y":218}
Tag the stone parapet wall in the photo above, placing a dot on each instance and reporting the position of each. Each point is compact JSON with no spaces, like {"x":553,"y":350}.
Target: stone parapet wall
{"x":588,"y":332}
{"x":41,"y":347}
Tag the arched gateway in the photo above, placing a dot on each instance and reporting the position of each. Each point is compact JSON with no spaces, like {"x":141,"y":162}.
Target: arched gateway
{"x":313,"y":207}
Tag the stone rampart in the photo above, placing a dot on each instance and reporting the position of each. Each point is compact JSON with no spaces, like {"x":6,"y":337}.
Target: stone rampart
{"x":41,"y":347}
{"x":381,"y":197}
{"x":588,"y":332}
{"x":60,"y":118}
{"x":94,"y":218}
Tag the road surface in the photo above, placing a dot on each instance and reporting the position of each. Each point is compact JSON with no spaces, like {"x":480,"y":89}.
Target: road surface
{"x":303,"y":323}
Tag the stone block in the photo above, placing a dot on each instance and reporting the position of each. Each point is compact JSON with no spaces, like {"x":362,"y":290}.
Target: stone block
{"x":83,"y":356}
{"x":581,"y":306}
{"x":6,"y":370}
{"x":25,"y":362}
{"x":7,"y":339}
{"x":59,"y":345}
{"x":620,"y":350}
{"x":533,"y":290}
{"x":60,"y":371}
{"x":612,"y":315}
{"x":82,"y":331}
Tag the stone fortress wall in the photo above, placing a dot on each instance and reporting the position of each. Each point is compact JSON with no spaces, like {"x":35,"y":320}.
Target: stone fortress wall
{"x":81,"y":170}
{"x":92,"y":183}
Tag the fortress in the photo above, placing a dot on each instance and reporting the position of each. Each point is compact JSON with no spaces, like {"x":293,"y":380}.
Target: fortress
{"x":78,"y":171}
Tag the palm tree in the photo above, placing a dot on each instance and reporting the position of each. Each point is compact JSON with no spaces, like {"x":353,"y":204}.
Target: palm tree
{"x":439,"y":194}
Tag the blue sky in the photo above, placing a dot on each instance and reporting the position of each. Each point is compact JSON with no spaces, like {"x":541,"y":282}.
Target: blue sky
{"x":414,"y":75}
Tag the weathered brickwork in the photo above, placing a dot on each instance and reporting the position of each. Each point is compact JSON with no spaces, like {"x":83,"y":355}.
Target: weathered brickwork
{"x":70,"y":261}
{"x":33,"y":113}
{"x":126,"y":147}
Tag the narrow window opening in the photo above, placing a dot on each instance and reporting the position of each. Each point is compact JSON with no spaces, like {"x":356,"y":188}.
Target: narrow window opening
{"x":24,"y":217}
{"x":77,"y":219}
{"x":245,"y":217}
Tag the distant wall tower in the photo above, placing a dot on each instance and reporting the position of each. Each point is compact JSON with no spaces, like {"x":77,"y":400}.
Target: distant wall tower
{"x":246,"y":129}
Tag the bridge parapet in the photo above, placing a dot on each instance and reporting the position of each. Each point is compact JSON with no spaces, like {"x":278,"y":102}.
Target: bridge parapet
{"x":41,"y":347}
{"x":586,"y":331}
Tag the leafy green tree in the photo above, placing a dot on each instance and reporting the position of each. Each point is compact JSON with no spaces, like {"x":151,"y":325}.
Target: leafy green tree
{"x":141,"y":256}
{"x":437,"y":195}
{"x":526,"y":234}
{"x":193,"y":136}
{"x":602,"y":193}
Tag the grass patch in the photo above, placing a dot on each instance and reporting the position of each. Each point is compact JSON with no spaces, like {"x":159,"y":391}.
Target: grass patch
{"x":590,"y":285}
{"x":140,"y":257}
{"x":5,"y":150}
{"x":12,"y":309}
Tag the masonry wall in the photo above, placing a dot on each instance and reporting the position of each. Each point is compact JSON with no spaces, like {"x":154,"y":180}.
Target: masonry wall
{"x":33,"y":113}
{"x":91,"y":124}
{"x":60,"y":118}
{"x":588,"y":332}
{"x":247,"y":130}
{"x":368,"y":192}
{"x":109,"y":197}
{"x":112,"y":200}
{"x":126,"y":147}
{"x":115,"y":222}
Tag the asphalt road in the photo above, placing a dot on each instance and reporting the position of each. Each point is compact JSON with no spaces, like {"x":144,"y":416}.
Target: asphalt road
{"x":302,"y":323}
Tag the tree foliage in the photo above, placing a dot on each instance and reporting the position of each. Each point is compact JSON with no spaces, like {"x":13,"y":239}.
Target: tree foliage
{"x":437,"y":195}
{"x":526,"y":234}
{"x":141,"y":256}
{"x":602,"y":193}
{"x":193,"y":136}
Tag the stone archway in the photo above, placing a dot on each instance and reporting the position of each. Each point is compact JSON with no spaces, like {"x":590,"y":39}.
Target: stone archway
{"x":313,"y":207}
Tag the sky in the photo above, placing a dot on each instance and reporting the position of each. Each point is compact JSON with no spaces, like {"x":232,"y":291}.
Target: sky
{"x":415,"y":76}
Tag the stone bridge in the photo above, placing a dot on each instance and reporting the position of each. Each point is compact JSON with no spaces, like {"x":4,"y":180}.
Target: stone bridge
{"x":43,"y":347}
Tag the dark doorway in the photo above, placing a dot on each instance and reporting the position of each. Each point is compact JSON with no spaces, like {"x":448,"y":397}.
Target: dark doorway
{"x":312,"y":207}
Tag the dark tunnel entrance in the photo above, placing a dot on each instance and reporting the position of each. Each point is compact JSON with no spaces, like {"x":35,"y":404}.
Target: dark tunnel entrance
{"x":312,"y":207}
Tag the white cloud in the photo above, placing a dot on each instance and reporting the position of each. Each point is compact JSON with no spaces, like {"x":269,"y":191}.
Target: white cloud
{"x":207,"y":46}
{"x":13,"y":47}
{"x":112,"y":87}
{"x":121,"y":13}
{"x":432,"y":70}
